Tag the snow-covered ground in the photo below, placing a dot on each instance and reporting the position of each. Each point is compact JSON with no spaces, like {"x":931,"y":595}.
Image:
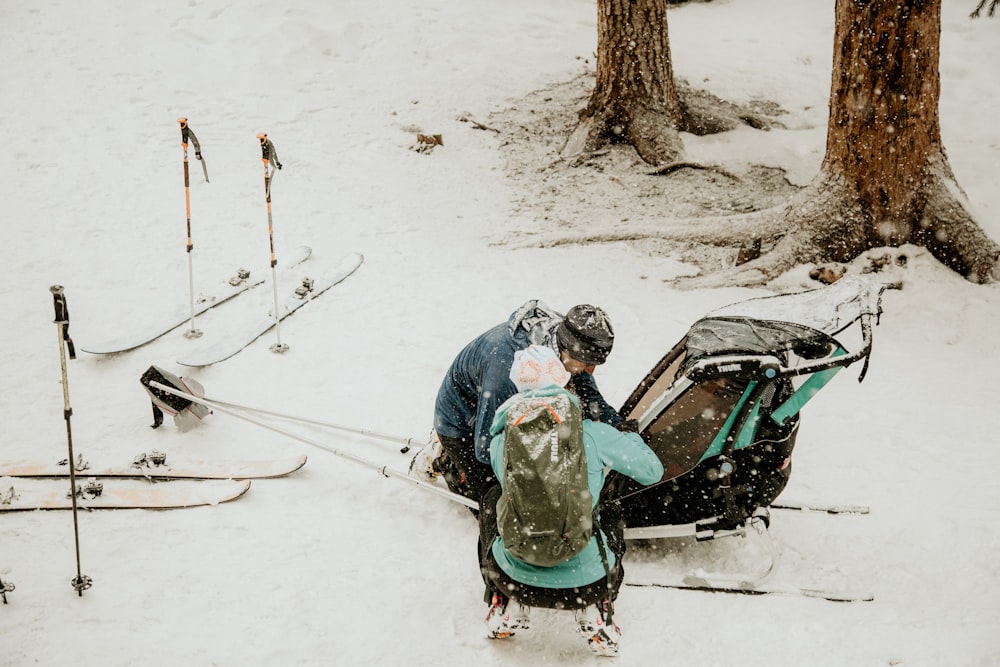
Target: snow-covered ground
{"x":337,"y":564}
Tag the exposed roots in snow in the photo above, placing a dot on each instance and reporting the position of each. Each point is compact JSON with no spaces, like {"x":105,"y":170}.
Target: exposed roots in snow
{"x":739,"y":225}
{"x":949,"y":231}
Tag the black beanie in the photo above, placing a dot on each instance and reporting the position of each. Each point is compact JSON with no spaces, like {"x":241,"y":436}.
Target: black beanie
{"x":586,"y":334}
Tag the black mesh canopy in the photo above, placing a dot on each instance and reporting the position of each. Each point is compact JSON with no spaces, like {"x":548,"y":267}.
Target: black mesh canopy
{"x":714,"y":336}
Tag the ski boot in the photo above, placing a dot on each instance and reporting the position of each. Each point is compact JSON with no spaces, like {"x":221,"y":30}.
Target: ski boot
{"x":425,"y":463}
{"x":503,"y":618}
{"x":602,"y":638}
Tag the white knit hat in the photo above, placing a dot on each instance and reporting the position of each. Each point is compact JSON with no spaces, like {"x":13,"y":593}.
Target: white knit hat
{"x":536,"y":367}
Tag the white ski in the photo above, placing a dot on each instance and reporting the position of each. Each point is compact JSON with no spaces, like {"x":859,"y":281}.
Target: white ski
{"x":157,"y":325}
{"x":303,"y":292}
{"x":19,"y":494}
{"x":156,"y":465}
{"x":821,"y":508}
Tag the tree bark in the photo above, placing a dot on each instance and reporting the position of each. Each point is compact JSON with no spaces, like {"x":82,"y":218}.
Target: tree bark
{"x":884,"y":139}
{"x":634,"y":99}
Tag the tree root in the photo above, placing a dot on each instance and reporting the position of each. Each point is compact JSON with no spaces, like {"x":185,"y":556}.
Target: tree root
{"x":671,"y":167}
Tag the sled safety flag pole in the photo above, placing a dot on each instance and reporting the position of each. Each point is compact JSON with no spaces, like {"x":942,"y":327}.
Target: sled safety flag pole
{"x":81,"y":582}
{"x":268,"y":156}
{"x":187,"y":134}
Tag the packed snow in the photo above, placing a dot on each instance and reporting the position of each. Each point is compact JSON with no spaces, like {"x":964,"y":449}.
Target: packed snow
{"x":336,"y":563}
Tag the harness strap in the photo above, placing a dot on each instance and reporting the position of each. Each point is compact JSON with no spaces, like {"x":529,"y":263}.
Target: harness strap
{"x":609,"y":613}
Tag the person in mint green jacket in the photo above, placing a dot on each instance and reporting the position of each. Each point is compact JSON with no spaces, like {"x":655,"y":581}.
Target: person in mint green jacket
{"x":582,"y":582}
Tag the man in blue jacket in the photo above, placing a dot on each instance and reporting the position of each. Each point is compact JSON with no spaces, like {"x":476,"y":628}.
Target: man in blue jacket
{"x":589,"y":581}
{"x":478,"y":382}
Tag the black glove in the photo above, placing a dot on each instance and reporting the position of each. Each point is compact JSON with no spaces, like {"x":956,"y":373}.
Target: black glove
{"x":629,"y":426}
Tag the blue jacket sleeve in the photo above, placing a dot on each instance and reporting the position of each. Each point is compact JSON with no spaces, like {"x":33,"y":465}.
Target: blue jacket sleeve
{"x":495,"y":375}
{"x":592,"y":401}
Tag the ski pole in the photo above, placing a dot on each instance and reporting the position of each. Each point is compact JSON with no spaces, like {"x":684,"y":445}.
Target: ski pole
{"x":385,"y":471}
{"x":407,"y":442}
{"x":268,"y":154}
{"x":81,"y":582}
{"x":186,"y":134}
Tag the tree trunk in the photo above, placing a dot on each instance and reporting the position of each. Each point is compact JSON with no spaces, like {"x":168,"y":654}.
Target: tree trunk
{"x":634,"y":99}
{"x":884,"y":138}
{"x":885,"y":179}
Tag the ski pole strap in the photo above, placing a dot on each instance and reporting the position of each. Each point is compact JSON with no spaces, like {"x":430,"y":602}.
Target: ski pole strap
{"x":188,"y":133}
{"x":62,"y":317}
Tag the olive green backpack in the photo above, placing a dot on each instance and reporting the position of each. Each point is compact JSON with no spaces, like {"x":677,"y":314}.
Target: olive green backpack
{"x":545,"y":515}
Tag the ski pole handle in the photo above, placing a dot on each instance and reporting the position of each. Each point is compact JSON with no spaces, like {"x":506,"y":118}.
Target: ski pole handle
{"x":62,"y":318}
{"x":62,"y":325}
{"x":59,"y":301}
{"x":267,"y":152}
{"x":184,"y":132}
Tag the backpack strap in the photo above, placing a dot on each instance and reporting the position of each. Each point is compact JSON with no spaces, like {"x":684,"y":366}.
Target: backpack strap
{"x":548,"y":407}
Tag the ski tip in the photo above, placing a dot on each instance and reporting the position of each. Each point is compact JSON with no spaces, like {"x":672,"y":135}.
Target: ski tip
{"x":108,"y":349}
{"x":240,"y":487}
{"x":349,"y":262}
{"x":294,"y":464}
{"x":243,"y":485}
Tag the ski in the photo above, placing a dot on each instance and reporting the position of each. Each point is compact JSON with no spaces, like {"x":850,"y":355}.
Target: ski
{"x":154,"y":327}
{"x":46,"y":494}
{"x":156,"y":466}
{"x":701,"y":585}
{"x":828,"y":509}
{"x":704,"y":530}
{"x":304,"y":292}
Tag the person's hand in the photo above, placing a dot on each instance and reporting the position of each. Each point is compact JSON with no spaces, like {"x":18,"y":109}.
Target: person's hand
{"x":629,"y":426}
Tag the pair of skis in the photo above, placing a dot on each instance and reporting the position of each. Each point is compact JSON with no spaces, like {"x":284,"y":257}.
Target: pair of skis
{"x":225,"y":346}
{"x":26,"y":485}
